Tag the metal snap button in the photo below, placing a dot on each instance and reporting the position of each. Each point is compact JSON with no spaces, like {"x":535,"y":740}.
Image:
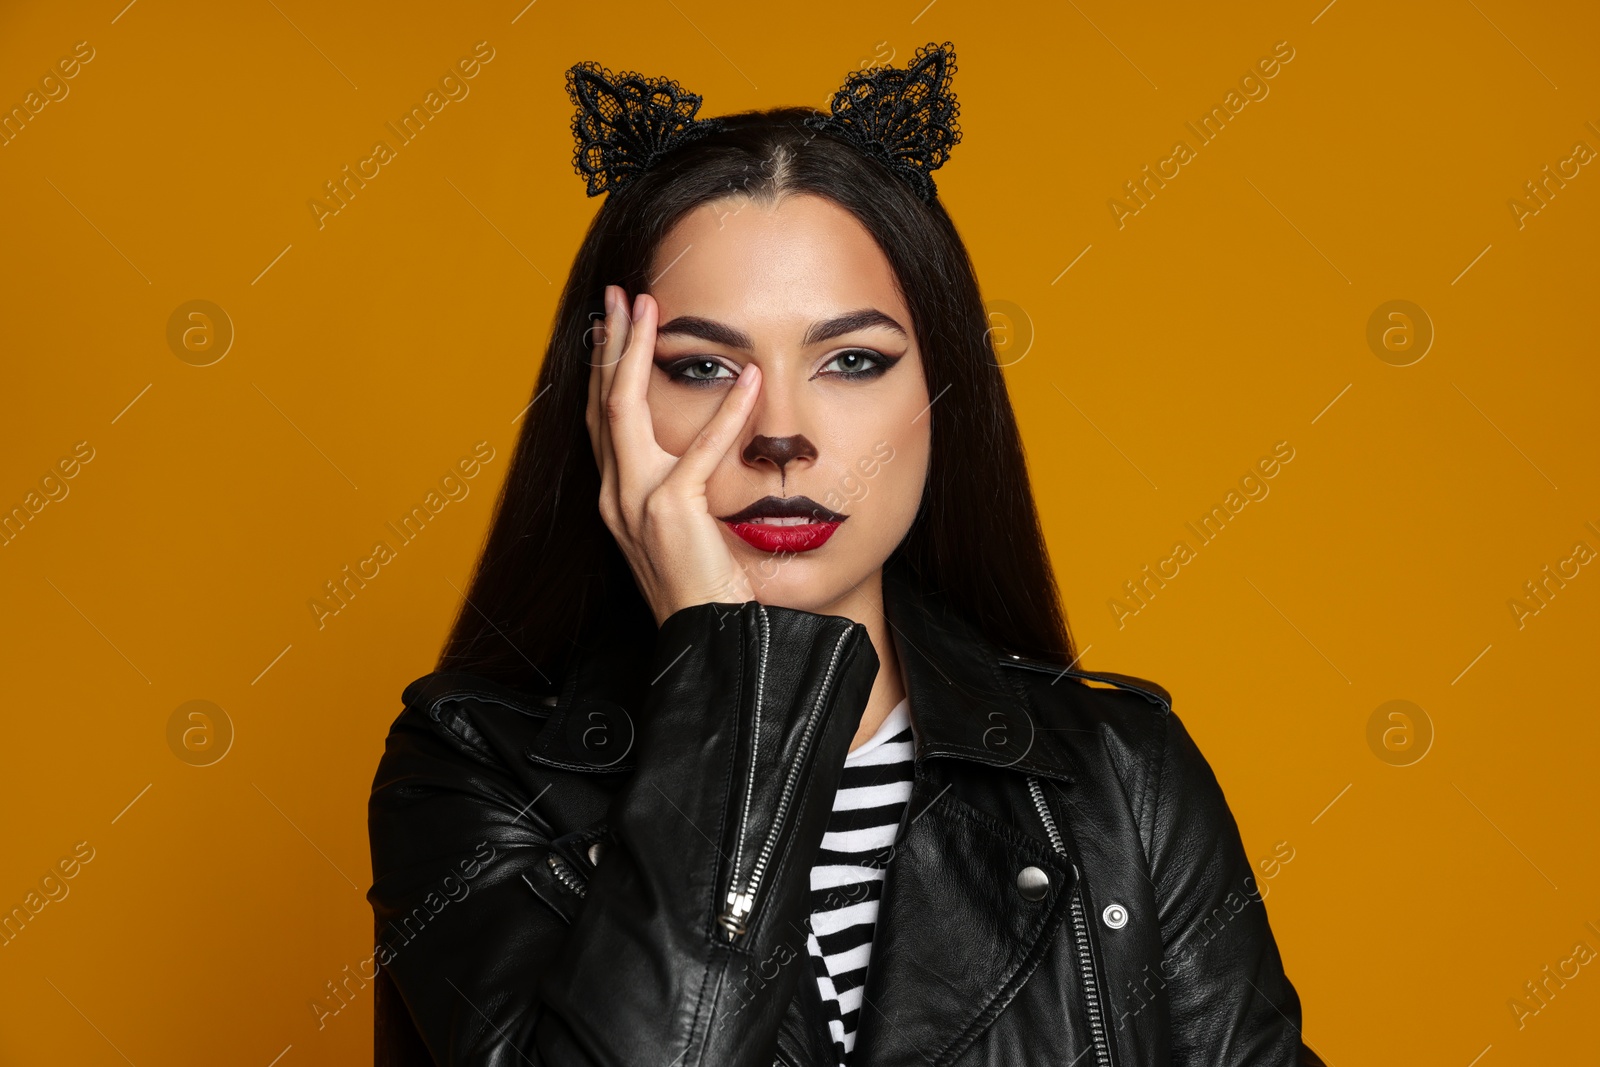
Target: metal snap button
{"x":1032,"y":883}
{"x":1115,"y":916}
{"x":594,"y":853}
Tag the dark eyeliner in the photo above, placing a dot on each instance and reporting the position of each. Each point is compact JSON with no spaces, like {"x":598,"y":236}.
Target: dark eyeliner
{"x":674,"y":370}
{"x":885,"y":363}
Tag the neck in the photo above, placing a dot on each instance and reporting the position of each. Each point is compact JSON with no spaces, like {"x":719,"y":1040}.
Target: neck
{"x":864,"y":604}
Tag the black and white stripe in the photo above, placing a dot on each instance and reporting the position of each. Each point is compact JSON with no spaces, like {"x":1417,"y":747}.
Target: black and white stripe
{"x":847,"y":878}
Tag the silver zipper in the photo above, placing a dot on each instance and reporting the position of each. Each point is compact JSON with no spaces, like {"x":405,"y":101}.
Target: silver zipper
{"x":566,"y":875}
{"x":737,"y":907}
{"x":1080,"y":932}
{"x":735,"y":917}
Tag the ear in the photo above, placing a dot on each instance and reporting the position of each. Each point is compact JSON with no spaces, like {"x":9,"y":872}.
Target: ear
{"x":625,"y":122}
{"x":906,"y":118}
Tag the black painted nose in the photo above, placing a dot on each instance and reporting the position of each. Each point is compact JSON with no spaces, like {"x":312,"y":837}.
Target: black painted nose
{"x":780,"y":450}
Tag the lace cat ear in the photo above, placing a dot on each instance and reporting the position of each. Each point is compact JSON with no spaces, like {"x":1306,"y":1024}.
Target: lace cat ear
{"x":625,"y":122}
{"x":906,"y":118}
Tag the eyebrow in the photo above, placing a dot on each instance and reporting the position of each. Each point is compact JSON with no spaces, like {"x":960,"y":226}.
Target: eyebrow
{"x":823,"y":330}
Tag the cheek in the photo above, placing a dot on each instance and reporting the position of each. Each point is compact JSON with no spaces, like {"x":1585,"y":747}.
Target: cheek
{"x":885,"y":457}
{"x":882,"y":471}
{"x":905,"y":472}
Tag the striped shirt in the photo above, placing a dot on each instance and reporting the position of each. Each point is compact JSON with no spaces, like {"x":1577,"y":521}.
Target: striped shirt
{"x":847,"y":878}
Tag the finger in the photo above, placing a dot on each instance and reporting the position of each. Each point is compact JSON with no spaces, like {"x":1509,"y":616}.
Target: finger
{"x":633,"y":433}
{"x":606,"y":460}
{"x":617,"y":332}
{"x":712,"y":442}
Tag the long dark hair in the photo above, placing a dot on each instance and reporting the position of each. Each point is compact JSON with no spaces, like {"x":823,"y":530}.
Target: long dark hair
{"x":550,"y":567}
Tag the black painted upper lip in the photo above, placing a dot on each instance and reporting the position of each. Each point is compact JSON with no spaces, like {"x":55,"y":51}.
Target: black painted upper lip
{"x":784,"y":507}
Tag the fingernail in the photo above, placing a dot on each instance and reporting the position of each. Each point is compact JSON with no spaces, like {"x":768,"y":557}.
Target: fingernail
{"x":611,"y":300}
{"x":638,"y":306}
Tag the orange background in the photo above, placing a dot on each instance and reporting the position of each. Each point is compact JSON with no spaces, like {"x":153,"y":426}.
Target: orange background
{"x":1228,"y":314}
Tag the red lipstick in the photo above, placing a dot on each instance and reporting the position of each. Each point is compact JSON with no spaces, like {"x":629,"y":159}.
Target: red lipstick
{"x":769,"y":538}
{"x":785,"y":524}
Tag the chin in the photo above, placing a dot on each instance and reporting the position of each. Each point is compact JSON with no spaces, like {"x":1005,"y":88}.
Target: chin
{"x":805,"y":582}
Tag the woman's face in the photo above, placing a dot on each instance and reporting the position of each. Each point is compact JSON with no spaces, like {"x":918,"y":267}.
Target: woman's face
{"x":841,"y":422}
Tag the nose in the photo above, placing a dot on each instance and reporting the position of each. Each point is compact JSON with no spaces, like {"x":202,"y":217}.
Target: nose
{"x":779,"y":450}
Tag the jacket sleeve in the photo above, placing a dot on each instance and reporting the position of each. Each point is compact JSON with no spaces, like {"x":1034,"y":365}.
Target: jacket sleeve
{"x":689,"y":938}
{"x":1230,"y":1001}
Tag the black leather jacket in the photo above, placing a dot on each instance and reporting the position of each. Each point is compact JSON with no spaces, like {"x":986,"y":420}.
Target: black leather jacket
{"x":617,"y":873}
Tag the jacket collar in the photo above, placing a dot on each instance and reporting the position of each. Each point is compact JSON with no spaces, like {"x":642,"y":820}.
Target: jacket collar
{"x":964,"y":703}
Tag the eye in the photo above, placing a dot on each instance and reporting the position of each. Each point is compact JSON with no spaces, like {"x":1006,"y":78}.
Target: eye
{"x":859,"y":363}
{"x":699,"y":372}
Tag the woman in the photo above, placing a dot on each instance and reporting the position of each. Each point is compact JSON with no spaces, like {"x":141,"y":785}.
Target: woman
{"x":776,"y":756}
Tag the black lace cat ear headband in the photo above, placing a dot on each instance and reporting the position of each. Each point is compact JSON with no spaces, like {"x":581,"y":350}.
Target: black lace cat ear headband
{"x":904,"y":118}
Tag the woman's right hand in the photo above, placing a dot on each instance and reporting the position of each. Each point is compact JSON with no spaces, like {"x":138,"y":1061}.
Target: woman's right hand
{"x":653,"y":502}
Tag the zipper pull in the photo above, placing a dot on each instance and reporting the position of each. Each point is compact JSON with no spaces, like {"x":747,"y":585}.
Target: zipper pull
{"x":733,"y":918}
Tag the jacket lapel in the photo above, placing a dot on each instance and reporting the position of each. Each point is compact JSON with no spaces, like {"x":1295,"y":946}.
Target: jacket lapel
{"x":955,"y":940}
{"x":960,"y":703}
